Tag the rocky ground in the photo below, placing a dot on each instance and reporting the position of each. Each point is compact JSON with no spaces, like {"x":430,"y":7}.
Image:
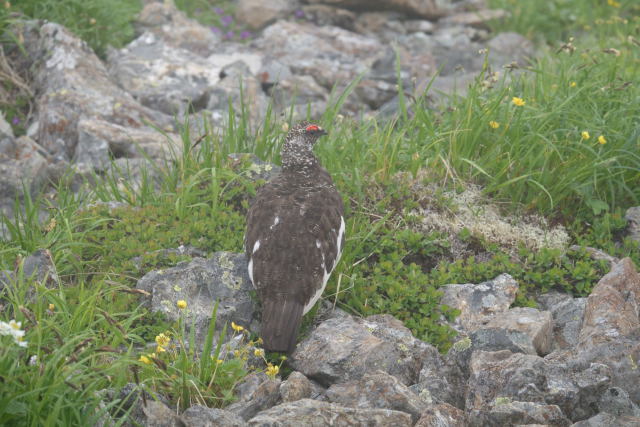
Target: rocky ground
{"x":573,"y":361}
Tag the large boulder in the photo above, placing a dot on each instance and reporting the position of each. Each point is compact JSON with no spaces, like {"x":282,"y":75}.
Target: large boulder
{"x":345,"y":348}
{"x":314,"y":413}
{"x":71,"y":83}
{"x":430,"y":9}
{"x":201,"y":282}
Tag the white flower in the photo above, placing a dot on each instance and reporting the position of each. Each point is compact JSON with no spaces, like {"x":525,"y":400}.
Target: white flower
{"x":13,"y":328}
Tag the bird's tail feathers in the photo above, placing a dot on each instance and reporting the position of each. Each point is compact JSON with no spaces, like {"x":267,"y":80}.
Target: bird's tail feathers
{"x":281,"y":318}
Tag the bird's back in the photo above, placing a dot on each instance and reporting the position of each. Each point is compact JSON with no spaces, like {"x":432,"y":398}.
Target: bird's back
{"x":295,"y":232}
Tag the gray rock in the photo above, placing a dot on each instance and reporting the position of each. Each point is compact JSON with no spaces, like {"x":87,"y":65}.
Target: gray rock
{"x":442,"y":415}
{"x":378,"y":390}
{"x":22,"y":167}
{"x":322,"y":14}
{"x":478,"y":303}
{"x":344,"y":348}
{"x":99,"y":141}
{"x":596,"y":254}
{"x":301,"y":91}
{"x":536,"y":325}
{"x":72,"y":83}
{"x":296,"y":387}
{"x":430,"y":9}
{"x":242,"y":90}
{"x":419,"y":26}
{"x":495,"y":339}
{"x":256,"y":393}
{"x":40,"y":267}
{"x":567,"y":315}
{"x":507,"y":413}
{"x":157,"y":414}
{"x":616,"y":401}
{"x":6,"y":132}
{"x":609,"y":420}
{"x":313,"y":413}
{"x":506,"y":48}
{"x":256,"y":14}
{"x":478,"y":18}
{"x":170,"y":24}
{"x":632,"y":215}
{"x":201,"y":416}
{"x":201,"y":282}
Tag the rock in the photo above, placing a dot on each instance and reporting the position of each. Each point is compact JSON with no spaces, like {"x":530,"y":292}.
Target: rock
{"x":616,"y":401}
{"x":256,"y":14}
{"x":342,"y":349}
{"x":507,"y":48}
{"x":504,"y":374}
{"x":507,"y":413}
{"x":201,"y":416}
{"x":613,"y":308}
{"x":22,"y":166}
{"x":159,"y":415}
{"x":163,"y":77}
{"x":165,"y":254}
{"x":632,"y":215}
{"x":238,"y":87}
{"x":99,"y":141}
{"x":313,"y":413}
{"x":40,"y":267}
{"x":296,"y":387}
{"x":6,"y":132}
{"x":378,"y":390}
{"x":479,"y":18}
{"x":331,"y":55}
{"x":495,"y":339}
{"x":609,"y":420}
{"x":72,"y":83}
{"x":442,"y":415}
{"x":567,"y":315}
{"x":419,"y":26}
{"x":429,"y":9}
{"x":596,"y":254}
{"x":322,"y":14}
{"x":535,"y":324}
{"x":201,"y":282}
{"x":301,"y":91}
{"x":479,"y":303}
{"x":163,"y":20}
{"x":256,"y":393}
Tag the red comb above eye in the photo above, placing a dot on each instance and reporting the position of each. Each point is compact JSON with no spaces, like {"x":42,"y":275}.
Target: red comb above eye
{"x":311,"y":128}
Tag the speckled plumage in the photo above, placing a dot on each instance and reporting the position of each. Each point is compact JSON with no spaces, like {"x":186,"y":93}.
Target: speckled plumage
{"x":295,"y":233}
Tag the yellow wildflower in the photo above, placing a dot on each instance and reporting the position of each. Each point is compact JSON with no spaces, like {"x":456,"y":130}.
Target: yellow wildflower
{"x":52,"y":307}
{"x":573,"y":84}
{"x":519,"y":102}
{"x":160,"y":349}
{"x":92,"y":21}
{"x":613,"y":3}
{"x":144,"y":359}
{"x":162,"y":340}
{"x":259,"y":341}
{"x":182,"y":304}
{"x":258,"y":352}
{"x":219,"y":361}
{"x":272,"y":370}
{"x":585,"y":135}
{"x":494,"y":124}
{"x":602,"y":140}
{"x":236,"y":328}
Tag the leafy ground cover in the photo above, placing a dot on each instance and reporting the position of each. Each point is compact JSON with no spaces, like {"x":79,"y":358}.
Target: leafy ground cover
{"x":559,"y":138}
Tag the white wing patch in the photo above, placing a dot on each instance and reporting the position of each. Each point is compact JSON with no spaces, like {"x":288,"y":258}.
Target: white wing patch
{"x":275,"y":222}
{"x":327,"y":274}
{"x":250,"y":268}
{"x":256,"y":246}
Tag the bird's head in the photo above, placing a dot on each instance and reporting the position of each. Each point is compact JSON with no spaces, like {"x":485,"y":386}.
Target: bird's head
{"x":298,"y":145}
{"x":305,"y":132}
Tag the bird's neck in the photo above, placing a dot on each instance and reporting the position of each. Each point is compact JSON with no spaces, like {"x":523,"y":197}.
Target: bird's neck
{"x":298,"y":158}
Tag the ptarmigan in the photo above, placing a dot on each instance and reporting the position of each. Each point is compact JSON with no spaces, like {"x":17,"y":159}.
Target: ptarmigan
{"x":295,"y":235}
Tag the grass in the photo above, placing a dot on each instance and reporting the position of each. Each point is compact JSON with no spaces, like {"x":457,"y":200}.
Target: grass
{"x":89,"y":332}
